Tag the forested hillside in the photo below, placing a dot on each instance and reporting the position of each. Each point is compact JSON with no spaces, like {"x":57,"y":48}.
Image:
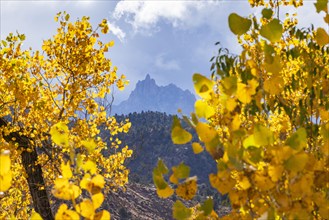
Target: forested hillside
{"x":150,"y":138}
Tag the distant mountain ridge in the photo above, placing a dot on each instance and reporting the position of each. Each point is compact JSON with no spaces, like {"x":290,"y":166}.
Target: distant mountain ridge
{"x":148,"y":96}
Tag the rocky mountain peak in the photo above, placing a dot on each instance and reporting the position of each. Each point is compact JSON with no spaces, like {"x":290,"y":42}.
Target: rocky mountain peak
{"x":148,"y":96}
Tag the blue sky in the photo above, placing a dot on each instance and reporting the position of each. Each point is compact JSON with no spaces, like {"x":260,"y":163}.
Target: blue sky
{"x":170,"y":40}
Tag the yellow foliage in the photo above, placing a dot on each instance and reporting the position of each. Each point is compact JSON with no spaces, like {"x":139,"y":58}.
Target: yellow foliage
{"x":51,"y":100}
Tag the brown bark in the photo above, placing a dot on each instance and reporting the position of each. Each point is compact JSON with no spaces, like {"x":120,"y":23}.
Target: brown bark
{"x":33,"y":170}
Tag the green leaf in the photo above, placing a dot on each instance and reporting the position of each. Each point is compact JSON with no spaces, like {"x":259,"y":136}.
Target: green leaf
{"x":181,"y":171}
{"x":158,"y":180}
{"x":203,"y":86}
{"x":267,"y":13}
{"x":238,"y":25}
{"x":272,"y":30}
{"x":207,"y":206}
{"x":178,"y":134}
{"x":162,"y":168}
{"x":298,"y":140}
{"x":296,"y":162}
{"x":4,"y":43}
{"x":321,"y":5}
{"x":67,"y":17}
{"x":180,"y":212}
{"x":322,"y":37}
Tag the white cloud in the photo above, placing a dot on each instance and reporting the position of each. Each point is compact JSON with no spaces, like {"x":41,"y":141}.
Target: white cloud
{"x":117,"y":31}
{"x":145,"y":15}
{"x":162,"y":63}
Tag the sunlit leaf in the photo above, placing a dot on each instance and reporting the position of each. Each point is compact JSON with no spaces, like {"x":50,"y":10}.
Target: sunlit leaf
{"x":165,"y":193}
{"x":85,"y":208}
{"x":60,"y":134}
{"x":64,"y":213}
{"x":4,"y":163}
{"x":203,"y":110}
{"x":178,"y":134}
{"x":187,"y":189}
{"x":263,"y":135}
{"x":66,"y":170}
{"x":97,"y":200}
{"x":197,"y":148}
{"x":203,"y":86}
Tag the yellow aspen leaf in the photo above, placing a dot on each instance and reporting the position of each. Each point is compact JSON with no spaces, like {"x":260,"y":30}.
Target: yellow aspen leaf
{"x":250,"y":142}
{"x":230,"y":104}
{"x":203,"y":110}
{"x":89,"y":166}
{"x":275,"y":172}
{"x":60,"y":134}
{"x":66,"y":170}
{"x":98,"y":181}
{"x":296,"y":162}
{"x":274,"y":85}
{"x":97,"y":200}
{"x":90,"y":145}
{"x":63,"y":189}
{"x":322,"y":37}
{"x":203,"y":86}
{"x":180,"y":212}
{"x":263,"y":135}
{"x":205,"y":132}
{"x":263,"y":182}
{"x":188,"y":189}
{"x":4,"y":163}
{"x":85,"y":208}
{"x":165,"y":193}
{"x":173,"y":179}
{"x":5,"y":181}
{"x":102,"y":215}
{"x":35,"y":216}
{"x":244,"y":92}
{"x":197,"y":148}
{"x":236,"y":122}
{"x":244,"y":183}
{"x":324,"y":114}
{"x":64,"y":213}
{"x":223,"y":184}
{"x":178,"y":134}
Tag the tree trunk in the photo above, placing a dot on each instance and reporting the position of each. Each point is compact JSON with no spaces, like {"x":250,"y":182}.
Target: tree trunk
{"x":34,"y":174}
{"x":36,"y":184}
